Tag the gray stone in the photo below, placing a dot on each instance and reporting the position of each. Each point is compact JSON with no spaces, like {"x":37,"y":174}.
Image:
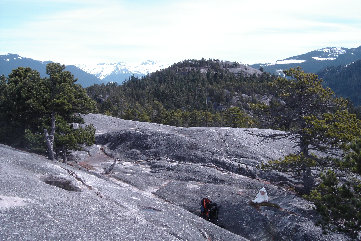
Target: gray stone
{"x":30,"y":209}
{"x":183,"y":165}
{"x":154,"y":190}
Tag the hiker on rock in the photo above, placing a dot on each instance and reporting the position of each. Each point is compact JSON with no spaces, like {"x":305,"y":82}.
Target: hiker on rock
{"x":205,"y":207}
{"x":261,"y":196}
{"x":209,"y":210}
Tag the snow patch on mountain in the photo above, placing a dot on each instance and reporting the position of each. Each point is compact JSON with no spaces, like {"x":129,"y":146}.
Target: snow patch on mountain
{"x":324,"y":54}
{"x":9,"y":57}
{"x":147,"y":67}
{"x":290,"y":61}
{"x":333,"y":51}
{"x":99,"y":70}
{"x":322,"y":59}
{"x":103,"y":70}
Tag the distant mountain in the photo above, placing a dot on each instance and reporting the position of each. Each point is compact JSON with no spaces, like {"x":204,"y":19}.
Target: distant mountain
{"x":314,"y":61}
{"x":344,"y":80}
{"x":9,"y":62}
{"x":12,"y":61}
{"x":119,"y":72}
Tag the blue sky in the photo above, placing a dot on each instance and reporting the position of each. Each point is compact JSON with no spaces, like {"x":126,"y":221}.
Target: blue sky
{"x":246,"y":31}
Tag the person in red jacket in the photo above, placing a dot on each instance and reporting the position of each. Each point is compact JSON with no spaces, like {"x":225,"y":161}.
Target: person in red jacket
{"x":205,"y":208}
{"x":209,"y":210}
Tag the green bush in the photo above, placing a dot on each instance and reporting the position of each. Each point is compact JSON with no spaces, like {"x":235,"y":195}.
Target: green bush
{"x":339,"y":204}
{"x":34,"y":142}
{"x":353,"y":159}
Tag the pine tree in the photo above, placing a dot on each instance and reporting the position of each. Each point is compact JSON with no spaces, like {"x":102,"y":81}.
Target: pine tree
{"x":314,"y":117}
{"x":33,"y":106}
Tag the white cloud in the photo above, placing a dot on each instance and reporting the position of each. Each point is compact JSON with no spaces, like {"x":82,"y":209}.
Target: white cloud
{"x":245,"y":31}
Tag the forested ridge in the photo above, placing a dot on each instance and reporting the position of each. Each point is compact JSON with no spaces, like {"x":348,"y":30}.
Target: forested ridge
{"x":189,"y":93}
{"x":345,"y":81}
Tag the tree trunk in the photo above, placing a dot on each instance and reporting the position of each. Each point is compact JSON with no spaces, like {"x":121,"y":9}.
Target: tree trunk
{"x":49,"y":139}
{"x":65,"y":157}
{"x":307,"y":178}
{"x":308,"y":181}
{"x":304,"y":146}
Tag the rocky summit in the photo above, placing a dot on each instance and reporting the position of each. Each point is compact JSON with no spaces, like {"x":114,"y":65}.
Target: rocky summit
{"x":144,"y":181}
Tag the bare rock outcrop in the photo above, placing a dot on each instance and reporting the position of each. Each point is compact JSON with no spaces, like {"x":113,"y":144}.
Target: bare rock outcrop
{"x":183,"y":165}
{"x":144,"y":181}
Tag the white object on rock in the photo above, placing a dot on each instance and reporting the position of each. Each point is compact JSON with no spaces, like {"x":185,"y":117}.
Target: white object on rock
{"x":261,"y":196}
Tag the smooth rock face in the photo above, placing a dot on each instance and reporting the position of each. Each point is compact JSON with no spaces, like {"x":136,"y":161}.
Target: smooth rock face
{"x":154,"y":190}
{"x":183,"y":165}
{"x":102,"y":209}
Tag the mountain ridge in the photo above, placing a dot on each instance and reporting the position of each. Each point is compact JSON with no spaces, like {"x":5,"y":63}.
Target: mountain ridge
{"x":313,"y":61}
{"x":10,"y":62}
{"x":118,"y":72}
{"x":87,"y":75}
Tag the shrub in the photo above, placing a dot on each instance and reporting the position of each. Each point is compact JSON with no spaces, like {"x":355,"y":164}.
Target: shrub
{"x":339,"y":204}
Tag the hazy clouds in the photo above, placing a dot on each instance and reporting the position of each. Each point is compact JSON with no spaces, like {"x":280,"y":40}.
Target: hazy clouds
{"x":170,"y":31}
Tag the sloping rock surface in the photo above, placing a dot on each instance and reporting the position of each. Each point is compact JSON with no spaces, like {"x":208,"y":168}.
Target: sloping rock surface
{"x":154,"y":190}
{"x":183,"y":165}
{"x":36,"y":204}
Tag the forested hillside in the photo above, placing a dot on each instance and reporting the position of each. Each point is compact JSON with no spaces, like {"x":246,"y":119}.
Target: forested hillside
{"x":345,"y":81}
{"x":189,"y":93}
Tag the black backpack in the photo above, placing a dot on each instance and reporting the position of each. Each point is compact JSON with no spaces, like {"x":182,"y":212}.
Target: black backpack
{"x":213,"y":212}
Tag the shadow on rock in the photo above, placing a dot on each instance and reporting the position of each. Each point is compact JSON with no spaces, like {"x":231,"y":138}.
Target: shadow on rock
{"x":61,"y":183}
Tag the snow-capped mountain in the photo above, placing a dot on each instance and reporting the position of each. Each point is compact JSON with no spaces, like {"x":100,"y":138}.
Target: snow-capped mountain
{"x":330,"y":53}
{"x":87,"y":75}
{"x":314,"y":61}
{"x":10,"y":62}
{"x":121,"y":71}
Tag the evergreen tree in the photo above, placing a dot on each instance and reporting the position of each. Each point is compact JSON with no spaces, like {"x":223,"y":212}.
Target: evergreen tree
{"x":32,"y":107}
{"x":314,"y":116}
{"x":338,"y":203}
{"x":23,"y":100}
{"x":65,"y":99}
